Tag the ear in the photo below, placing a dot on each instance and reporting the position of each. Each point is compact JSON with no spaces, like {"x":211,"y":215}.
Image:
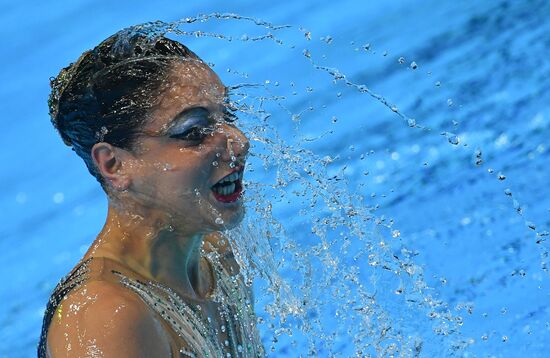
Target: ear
{"x":109,"y":159}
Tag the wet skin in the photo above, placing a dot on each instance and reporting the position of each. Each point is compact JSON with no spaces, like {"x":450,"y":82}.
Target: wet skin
{"x":162,"y":211}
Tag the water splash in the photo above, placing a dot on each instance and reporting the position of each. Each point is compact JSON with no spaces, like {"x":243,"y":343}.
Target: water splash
{"x":333,"y":269}
{"x":346,"y":264}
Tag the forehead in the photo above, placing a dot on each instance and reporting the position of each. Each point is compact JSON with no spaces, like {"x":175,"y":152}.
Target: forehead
{"x":190,"y":83}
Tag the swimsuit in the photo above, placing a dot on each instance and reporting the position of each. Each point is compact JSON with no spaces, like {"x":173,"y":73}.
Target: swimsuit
{"x":194,"y":333}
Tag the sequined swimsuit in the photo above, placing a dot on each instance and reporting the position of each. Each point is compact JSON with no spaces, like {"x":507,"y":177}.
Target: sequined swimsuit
{"x":194,"y":333}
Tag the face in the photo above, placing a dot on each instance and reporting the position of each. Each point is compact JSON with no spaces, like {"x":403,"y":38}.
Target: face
{"x":190,"y":159}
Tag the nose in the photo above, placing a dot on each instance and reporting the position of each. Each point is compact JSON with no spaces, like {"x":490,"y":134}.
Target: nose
{"x":237,"y":145}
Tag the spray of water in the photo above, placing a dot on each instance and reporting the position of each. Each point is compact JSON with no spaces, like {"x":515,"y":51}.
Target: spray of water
{"x":332,"y":276}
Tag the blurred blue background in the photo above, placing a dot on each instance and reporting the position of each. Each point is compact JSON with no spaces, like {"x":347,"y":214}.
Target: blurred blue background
{"x":469,"y":196}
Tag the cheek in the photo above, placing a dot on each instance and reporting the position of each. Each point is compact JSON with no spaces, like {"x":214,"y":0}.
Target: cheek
{"x":189,"y":171}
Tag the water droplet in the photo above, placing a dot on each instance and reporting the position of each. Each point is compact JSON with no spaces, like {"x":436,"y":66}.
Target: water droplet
{"x":501,"y":176}
{"x":215,"y":163}
{"x":438,"y":84}
{"x":100,"y":135}
{"x":334,"y":119}
{"x":484,"y":337}
{"x":401,"y":60}
{"x":411,"y":122}
{"x":449,"y":102}
{"x":366,"y":47}
{"x":395,"y":233}
{"x":219,"y":221}
{"x":517,"y":206}
{"x":244,"y":37}
{"x":478,"y":159}
{"x":306,"y":53}
{"x":327,"y":39}
{"x":453,"y":139}
{"x":413,"y":65}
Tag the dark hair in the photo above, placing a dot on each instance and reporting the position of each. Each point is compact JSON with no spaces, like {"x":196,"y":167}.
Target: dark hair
{"x":107,"y":93}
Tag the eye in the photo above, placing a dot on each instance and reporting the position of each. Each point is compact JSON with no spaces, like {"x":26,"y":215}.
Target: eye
{"x":193,"y":126}
{"x":195,"y":133}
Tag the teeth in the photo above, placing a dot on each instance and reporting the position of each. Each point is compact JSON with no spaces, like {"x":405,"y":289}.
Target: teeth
{"x":227,"y":185}
{"x":230,"y":188}
{"x":231,"y":177}
{"x":227,"y":189}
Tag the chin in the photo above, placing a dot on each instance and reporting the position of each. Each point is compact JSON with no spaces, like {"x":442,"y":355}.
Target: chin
{"x":230,"y":220}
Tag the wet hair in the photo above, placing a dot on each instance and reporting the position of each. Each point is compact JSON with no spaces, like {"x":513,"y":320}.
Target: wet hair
{"x":106,"y":95}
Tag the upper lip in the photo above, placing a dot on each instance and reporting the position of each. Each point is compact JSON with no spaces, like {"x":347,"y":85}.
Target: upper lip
{"x":236,"y":170}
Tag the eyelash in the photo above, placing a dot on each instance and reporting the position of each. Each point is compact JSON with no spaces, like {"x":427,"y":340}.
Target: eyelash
{"x":194,"y":134}
{"x":229,"y":117}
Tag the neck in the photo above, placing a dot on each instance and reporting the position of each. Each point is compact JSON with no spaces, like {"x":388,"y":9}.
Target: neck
{"x":144,"y":241}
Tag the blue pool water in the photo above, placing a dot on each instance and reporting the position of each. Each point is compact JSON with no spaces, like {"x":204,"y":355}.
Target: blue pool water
{"x":448,"y":149}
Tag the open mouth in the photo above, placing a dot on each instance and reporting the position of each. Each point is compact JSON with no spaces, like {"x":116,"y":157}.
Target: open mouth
{"x":229,"y":188}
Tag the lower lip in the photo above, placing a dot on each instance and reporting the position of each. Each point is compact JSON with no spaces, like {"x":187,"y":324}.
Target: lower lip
{"x":231,"y":198}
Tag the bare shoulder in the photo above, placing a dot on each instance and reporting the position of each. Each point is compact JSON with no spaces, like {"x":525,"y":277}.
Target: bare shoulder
{"x":105,"y":319}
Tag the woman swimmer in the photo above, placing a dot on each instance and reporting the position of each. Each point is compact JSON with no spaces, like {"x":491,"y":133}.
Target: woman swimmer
{"x":152,"y":123}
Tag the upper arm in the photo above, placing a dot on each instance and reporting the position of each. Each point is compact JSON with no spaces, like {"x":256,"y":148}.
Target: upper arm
{"x":105,"y":320}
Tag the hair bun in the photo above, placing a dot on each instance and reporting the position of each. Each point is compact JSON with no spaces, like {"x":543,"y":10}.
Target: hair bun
{"x":58,"y":84}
